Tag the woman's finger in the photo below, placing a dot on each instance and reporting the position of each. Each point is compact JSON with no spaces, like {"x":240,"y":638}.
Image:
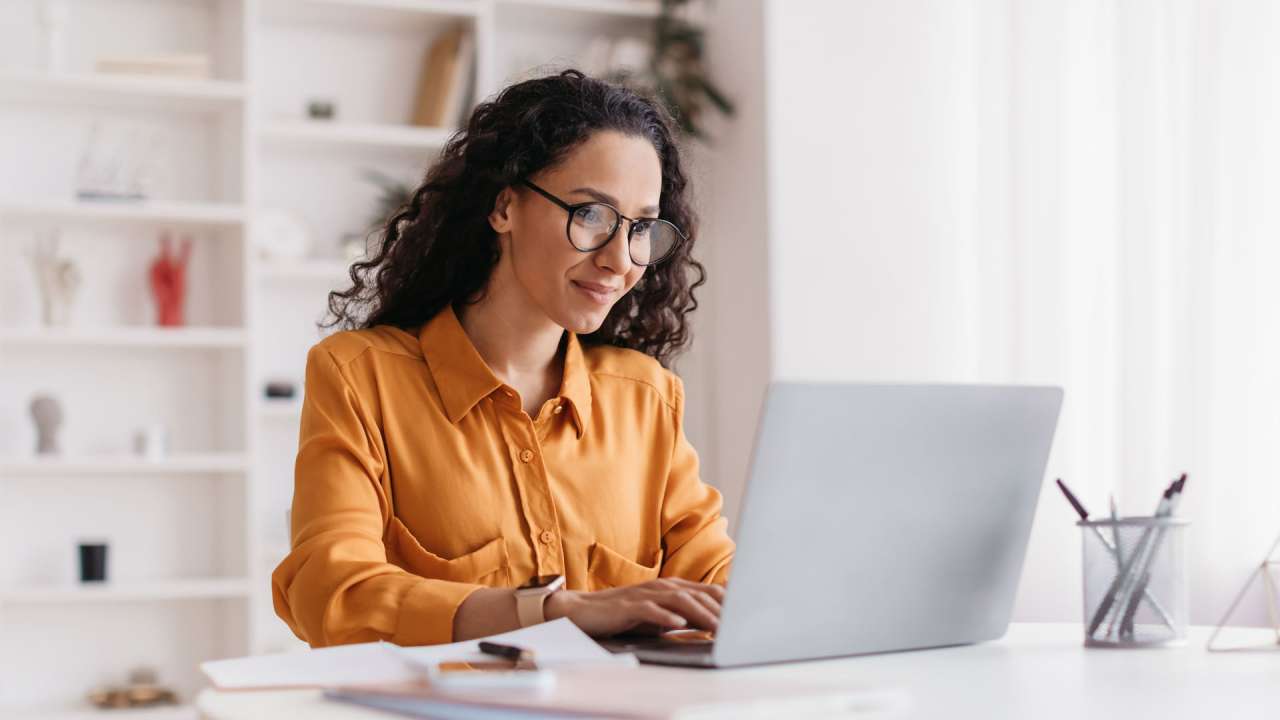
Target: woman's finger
{"x":711,"y":589}
{"x":654,"y":612}
{"x":684,"y":603}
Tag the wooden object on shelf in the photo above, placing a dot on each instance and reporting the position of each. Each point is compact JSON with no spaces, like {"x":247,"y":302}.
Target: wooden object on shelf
{"x":441,"y":83}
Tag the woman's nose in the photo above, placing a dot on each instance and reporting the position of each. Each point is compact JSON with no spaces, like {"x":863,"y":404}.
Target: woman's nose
{"x":615,"y":256}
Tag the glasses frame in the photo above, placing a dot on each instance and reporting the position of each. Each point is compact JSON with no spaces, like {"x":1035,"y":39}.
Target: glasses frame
{"x":572,"y":208}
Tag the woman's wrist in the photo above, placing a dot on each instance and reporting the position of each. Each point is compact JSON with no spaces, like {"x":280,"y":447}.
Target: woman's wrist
{"x":558,"y":603}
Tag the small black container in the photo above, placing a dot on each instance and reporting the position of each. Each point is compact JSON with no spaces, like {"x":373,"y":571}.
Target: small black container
{"x":93,"y":562}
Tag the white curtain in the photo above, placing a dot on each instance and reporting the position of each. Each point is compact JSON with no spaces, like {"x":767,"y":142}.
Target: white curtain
{"x":1125,"y":243}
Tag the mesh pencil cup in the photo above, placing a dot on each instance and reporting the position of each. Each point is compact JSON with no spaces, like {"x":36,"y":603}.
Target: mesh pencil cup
{"x":1135,"y":582}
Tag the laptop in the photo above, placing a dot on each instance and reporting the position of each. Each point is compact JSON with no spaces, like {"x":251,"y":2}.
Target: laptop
{"x":876,"y":518}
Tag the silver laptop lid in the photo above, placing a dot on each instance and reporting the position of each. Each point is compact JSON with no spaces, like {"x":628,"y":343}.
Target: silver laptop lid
{"x":883,"y":517}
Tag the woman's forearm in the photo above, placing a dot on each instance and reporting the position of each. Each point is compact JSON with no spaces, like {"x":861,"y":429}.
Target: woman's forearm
{"x":488,"y":611}
{"x":485,"y":612}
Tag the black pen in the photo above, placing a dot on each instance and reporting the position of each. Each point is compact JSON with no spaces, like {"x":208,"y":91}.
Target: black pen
{"x":1084,"y":514}
{"x":521,"y":657}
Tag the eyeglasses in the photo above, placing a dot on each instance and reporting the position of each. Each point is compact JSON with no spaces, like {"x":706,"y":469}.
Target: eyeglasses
{"x":592,"y":225}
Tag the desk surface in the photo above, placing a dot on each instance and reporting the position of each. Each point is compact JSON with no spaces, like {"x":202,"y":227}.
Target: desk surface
{"x":1036,"y":670}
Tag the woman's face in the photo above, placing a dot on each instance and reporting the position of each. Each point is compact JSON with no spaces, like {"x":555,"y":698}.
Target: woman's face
{"x":577,"y":289}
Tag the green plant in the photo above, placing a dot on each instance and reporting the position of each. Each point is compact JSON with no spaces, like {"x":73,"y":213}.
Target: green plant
{"x":392,"y":196}
{"x":676,"y":74}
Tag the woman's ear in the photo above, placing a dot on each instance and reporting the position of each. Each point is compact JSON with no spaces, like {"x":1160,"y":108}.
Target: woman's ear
{"x":500,"y":216}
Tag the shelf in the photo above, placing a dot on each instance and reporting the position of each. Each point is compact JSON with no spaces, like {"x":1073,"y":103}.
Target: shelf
{"x":163,"y":712}
{"x":389,"y":137}
{"x":122,"y":464}
{"x":283,"y":409}
{"x":168,"y":213}
{"x":122,"y":91}
{"x":398,"y":15}
{"x":616,"y":8}
{"x":130,"y":591}
{"x":317,"y":269}
{"x":125,"y":337}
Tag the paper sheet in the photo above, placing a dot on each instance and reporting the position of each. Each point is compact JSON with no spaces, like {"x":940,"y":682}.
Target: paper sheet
{"x":558,"y":643}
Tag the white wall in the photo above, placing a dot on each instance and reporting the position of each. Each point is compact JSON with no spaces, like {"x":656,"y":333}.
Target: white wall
{"x":726,"y":372}
{"x":1032,"y":191}
{"x":868,"y":152}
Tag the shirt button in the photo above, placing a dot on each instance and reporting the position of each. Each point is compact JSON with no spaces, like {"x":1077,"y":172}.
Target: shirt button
{"x":547,"y":536}
{"x":526,"y":455}
{"x":558,"y":409}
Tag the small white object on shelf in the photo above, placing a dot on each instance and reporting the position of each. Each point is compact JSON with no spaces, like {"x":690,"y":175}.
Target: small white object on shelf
{"x":151,"y":442}
{"x":53,"y":16}
{"x":280,"y":235}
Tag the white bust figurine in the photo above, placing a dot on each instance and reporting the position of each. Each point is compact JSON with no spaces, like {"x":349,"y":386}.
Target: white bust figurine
{"x":59,"y":280}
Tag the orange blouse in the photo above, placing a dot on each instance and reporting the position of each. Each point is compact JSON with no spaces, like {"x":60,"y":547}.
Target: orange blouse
{"x":420,"y":479}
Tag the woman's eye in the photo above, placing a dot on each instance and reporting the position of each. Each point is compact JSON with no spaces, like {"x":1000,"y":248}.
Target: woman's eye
{"x":590,"y":214}
{"x":642,"y":228}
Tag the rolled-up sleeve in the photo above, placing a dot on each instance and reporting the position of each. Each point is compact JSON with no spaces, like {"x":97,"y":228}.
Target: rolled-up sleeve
{"x":336,"y":585}
{"x":695,"y":535}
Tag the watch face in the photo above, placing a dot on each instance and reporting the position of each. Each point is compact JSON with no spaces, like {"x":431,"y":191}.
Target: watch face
{"x":538,"y":581}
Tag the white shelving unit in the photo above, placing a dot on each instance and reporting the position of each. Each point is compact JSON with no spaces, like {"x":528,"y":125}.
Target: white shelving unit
{"x":195,"y":536}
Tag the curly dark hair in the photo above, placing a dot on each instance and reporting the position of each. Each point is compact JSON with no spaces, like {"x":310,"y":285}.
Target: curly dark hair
{"x":438,"y":249}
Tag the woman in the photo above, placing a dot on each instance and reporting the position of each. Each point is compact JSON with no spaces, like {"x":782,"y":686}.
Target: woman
{"x":502,"y":415}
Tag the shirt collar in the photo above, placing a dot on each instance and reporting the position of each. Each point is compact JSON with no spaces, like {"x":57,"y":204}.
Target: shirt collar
{"x":463,"y":379}
{"x":576,"y":385}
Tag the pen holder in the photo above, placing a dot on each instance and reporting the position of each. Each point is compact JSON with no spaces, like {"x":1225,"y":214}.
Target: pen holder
{"x":1138,"y":596}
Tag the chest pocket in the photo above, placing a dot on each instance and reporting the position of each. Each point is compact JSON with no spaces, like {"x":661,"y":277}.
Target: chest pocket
{"x":486,"y":565}
{"x":608,"y":568}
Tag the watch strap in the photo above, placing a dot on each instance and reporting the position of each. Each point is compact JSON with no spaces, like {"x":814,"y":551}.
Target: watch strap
{"x":529,"y":608}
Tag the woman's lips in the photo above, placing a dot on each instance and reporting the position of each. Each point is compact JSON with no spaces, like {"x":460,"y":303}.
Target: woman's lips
{"x":601,"y":294}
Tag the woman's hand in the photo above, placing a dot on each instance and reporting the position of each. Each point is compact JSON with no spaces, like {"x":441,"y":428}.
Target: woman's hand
{"x":649,"y":608}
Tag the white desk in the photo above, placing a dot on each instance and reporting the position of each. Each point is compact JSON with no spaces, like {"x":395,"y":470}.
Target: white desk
{"x":1036,"y":671}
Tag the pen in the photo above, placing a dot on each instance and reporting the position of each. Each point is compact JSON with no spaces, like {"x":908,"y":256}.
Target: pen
{"x":1115,"y":533}
{"x":523,"y":658}
{"x":1129,"y":578}
{"x":1071,"y":498}
{"x":1144,"y":578}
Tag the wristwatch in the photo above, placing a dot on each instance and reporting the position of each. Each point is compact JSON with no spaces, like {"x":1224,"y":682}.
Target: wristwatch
{"x":531,"y":595}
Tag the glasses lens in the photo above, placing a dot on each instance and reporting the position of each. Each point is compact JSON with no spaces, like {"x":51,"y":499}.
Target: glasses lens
{"x":592,"y":225}
{"x":652,"y":241}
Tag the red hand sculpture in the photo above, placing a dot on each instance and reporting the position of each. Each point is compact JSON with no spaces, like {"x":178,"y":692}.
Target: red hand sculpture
{"x":168,"y":273}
